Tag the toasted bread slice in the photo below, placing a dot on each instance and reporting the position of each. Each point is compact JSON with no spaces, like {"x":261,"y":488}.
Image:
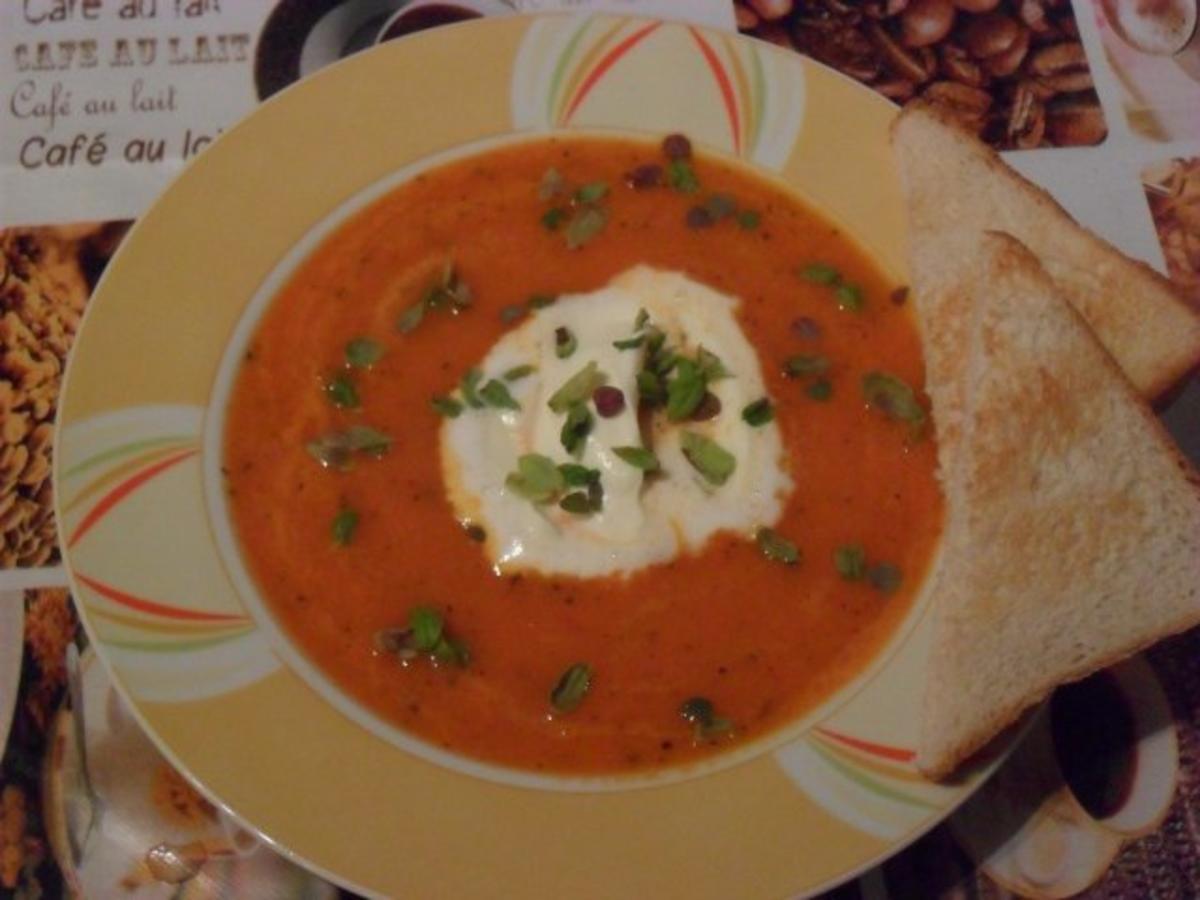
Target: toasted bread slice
{"x":956,"y":186}
{"x":1073,"y":522}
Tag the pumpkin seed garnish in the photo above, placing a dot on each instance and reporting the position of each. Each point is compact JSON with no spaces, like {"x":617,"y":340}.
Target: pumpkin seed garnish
{"x":571,"y":688}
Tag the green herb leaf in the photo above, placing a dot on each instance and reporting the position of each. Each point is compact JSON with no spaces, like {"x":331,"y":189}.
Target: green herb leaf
{"x":821,"y":273}
{"x":551,"y":185}
{"x":451,"y":652}
{"x":344,"y":525}
{"x":446,"y":406}
{"x":366,"y":439}
{"x":571,"y":688}
{"x":411,"y":318}
{"x":640,"y":320}
{"x":425,"y":625}
{"x":576,"y":428}
{"x":585,"y":225}
{"x":630,"y":343}
{"x":331,"y":450}
{"x":707,"y":457}
{"x":341,"y":392}
{"x":516,"y":373}
{"x":575,"y":475}
{"x":850,"y":560}
{"x":705,"y":722}
{"x":540,"y":301}
{"x":577,"y":503}
{"x":895,"y":398}
{"x":849,"y":297}
{"x":553,"y":218}
{"x":820,"y":390}
{"x":565,"y":342}
{"x":749,"y":219}
{"x":685,"y":390}
{"x":682,"y":177}
{"x":651,"y":390}
{"x":537,"y":478}
{"x":578,"y":388}
{"x":592,"y":192}
{"x":362,"y":353}
{"x":638,"y":457}
{"x":496,"y":394}
{"x":884,"y":577}
{"x":758,"y":413}
{"x":711,"y":366}
{"x":776,"y":547}
{"x":805,"y":364}
{"x":469,"y":387}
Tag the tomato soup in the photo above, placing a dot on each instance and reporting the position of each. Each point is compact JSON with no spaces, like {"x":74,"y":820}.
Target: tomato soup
{"x":361,"y":557}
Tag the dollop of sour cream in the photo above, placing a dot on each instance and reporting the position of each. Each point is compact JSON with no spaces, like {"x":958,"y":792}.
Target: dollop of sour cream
{"x":643,"y":519}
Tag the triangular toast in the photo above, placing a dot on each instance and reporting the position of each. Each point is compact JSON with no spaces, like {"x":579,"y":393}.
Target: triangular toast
{"x":955,"y":186}
{"x":1073,"y":523}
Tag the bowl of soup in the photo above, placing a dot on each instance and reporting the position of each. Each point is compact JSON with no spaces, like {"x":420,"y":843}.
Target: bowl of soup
{"x":525,"y":479}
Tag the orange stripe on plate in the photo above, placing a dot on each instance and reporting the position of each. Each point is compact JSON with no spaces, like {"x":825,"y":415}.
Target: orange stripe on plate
{"x":602,"y":67}
{"x":726,"y":88}
{"x":121,"y":491}
{"x":154,"y":608}
{"x":897,"y":753}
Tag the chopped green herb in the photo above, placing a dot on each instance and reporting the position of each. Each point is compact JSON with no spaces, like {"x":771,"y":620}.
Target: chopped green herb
{"x":630,"y":343}
{"x":592,"y":192}
{"x":685,"y":390}
{"x":366,"y":439}
{"x":805,"y":364}
{"x":575,"y":475}
{"x":537,"y":478}
{"x":446,"y":406}
{"x":820,"y":390}
{"x":850,"y":560}
{"x":571,"y":688}
{"x":758,"y":413}
{"x":344,"y":524}
{"x":511,"y":314}
{"x":638,"y":457}
{"x":551,"y":185}
{"x":411,"y":318}
{"x":540,"y":301}
{"x":706,"y":724}
{"x":426,"y":625}
{"x":714,"y":463}
{"x":711,"y":366}
{"x":821,"y":273}
{"x":884,"y":577}
{"x":341,"y":392}
{"x":682,"y":177}
{"x":516,"y":373}
{"x":496,"y":395}
{"x":577,"y":503}
{"x":553,"y":218}
{"x":449,"y":651}
{"x":362,"y":353}
{"x":640,"y":320}
{"x":565,"y":342}
{"x":720,"y":206}
{"x":586,"y":224}
{"x":849,"y":297}
{"x":749,"y":219}
{"x":469,"y":386}
{"x":651,"y":390}
{"x":895,"y":398}
{"x":448,"y":291}
{"x":578,"y":388}
{"x":776,"y":547}
{"x":655,"y":338}
{"x":576,"y":428}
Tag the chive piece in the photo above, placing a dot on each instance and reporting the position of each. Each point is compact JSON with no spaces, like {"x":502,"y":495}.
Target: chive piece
{"x":664,"y":361}
{"x":758,"y":413}
{"x":341,"y":392}
{"x":749,"y":219}
{"x":537,"y":478}
{"x":706,"y":724}
{"x":850,"y":560}
{"x":682,"y":177}
{"x":575,"y":475}
{"x":711,"y":366}
{"x":496,"y":395}
{"x":640,"y":320}
{"x":552,"y":218}
{"x":511,"y":314}
{"x":344,"y":524}
{"x":849,"y":297}
{"x":565,"y":342}
{"x":895,"y":398}
{"x":709,"y":458}
{"x":331,"y":450}
{"x":540,"y":301}
{"x":630,"y":343}
{"x":685,"y":390}
{"x":551,"y":185}
{"x":591,"y":192}
{"x":651,"y":391}
{"x":586,"y":224}
{"x":516,"y":373}
{"x":577,"y":503}
{"x":451,"y":652}
{"x":638,"y":457}
{"x":576,"y":428}
{"x":362,"y":353}
{"x":720,"y":206}
{"x":805,"y":364}
{"x":821,"y":273}
{"x":578,"y":388}
{"x":884,"y":577}
{"x":571,"y":688}
{"x":655,"y":338}
{"x":776,"y":547}
{"x":411,"y":318}
{"x":595,"y":492}
{"x":446,"y":406}
{"x":469,"y":387}
{"x":368,"y":440}
{"x":426,"y":626}
{"x":820,"y":390}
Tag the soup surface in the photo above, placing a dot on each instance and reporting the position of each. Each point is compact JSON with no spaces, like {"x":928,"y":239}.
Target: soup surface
{"x":659,"y":667}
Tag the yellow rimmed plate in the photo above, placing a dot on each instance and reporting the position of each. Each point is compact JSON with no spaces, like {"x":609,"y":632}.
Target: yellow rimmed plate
{"x":215,"y":683}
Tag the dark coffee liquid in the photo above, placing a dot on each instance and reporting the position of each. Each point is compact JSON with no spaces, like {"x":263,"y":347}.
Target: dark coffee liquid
{"x":427,"y":17}
{"x":1094,"y":736}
